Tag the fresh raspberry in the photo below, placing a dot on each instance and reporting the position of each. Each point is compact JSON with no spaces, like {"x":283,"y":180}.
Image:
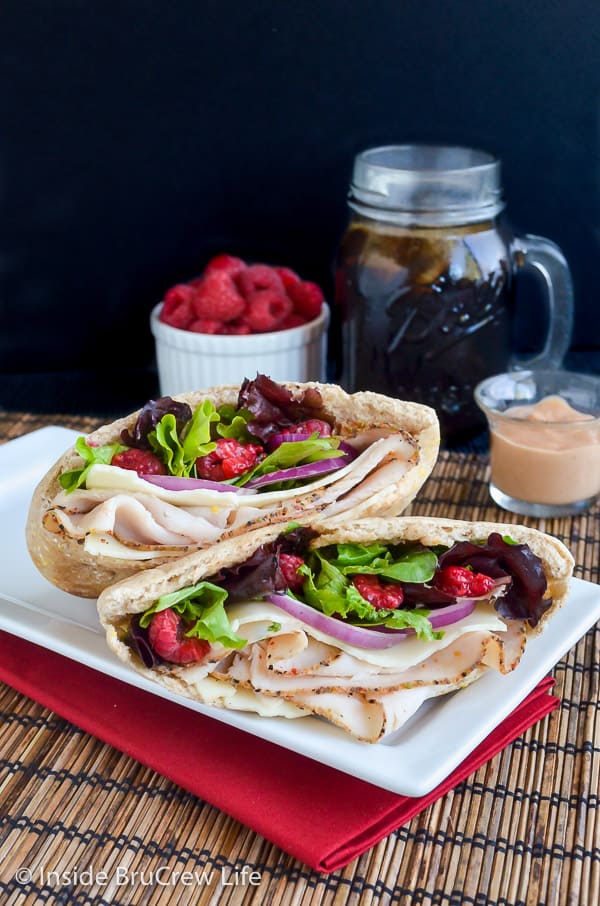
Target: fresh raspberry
{"x":231,"y":458}
{"x":217,"y":298}
{"x":322,"y":428}
{"x":140,"y":461}
{"x":462,"y":582}
{"x":228,"y":264}
{"x":288,"y":276}
{"x":166,"y":634}
{"x":267,"y":309}
{"x":237,"y":457}
{"x":258,"y":277}
{"x":292,"y":320}
{"x":383,"y":597}
{"x":289,"y":564}
{"x":238,"y":328}
{"x":210,"y":467}
{"x":206,"y":325}
{"x":307,"y":298}
{"x":177,"y":306}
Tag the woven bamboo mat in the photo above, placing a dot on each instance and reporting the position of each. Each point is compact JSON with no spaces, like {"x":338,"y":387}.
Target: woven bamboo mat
{"x":523,"y":830}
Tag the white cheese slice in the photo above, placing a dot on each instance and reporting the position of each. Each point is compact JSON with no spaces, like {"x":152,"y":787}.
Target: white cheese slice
{"x":404,"y":654}
{"x":213,"y":691}
{"x":113,"y":478}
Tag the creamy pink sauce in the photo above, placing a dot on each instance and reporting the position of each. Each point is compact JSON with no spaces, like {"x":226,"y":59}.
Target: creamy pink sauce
{"x":546,"y":453}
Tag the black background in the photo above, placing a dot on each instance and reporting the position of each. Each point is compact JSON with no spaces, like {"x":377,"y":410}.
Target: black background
{"x":138,"y":139}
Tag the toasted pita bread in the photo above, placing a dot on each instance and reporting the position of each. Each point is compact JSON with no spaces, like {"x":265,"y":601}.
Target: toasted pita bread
{"x":369,"y":696}
{"x":406,"y":434}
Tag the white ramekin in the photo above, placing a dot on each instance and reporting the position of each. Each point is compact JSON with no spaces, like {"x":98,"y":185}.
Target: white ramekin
{"x":191,"y":361}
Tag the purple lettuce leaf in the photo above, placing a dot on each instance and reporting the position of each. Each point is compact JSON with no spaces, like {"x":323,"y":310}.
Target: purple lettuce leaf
{"x":140,"y":642}
{"x":418,"y":595}
{"x":524,"y":598}
{"x":273,"y":407}
{"x":150,"y":416}
{"x":261,"y":573}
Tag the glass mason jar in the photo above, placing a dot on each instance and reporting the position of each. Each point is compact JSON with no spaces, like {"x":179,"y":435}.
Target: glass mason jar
{"x":425,"y":280}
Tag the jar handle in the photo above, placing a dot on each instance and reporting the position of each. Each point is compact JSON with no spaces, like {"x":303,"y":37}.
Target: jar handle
{"x":540,"y":254}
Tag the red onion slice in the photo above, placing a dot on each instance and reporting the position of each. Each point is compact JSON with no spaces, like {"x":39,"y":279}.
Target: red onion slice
{"x":308,"y":470}
{"x":278,"y":439}
{"x":360,"y":636}
{"x":445,"y":616}
{"x":177,"y":483}
{"x":350,"y":452}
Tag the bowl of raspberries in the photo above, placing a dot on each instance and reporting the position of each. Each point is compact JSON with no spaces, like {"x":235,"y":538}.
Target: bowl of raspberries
{"x":238,"y":318}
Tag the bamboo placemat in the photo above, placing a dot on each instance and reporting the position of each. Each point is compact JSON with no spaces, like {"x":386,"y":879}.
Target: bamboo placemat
{"x":523,"y":830}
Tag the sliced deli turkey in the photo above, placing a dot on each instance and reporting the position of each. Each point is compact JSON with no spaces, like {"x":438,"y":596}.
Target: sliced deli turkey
{"x":183,"y":473}
{"x":357,"y":624}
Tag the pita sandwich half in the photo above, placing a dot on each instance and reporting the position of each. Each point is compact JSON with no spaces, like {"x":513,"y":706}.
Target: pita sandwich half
{"x":100,"y":514}
{"x":358,"y":625}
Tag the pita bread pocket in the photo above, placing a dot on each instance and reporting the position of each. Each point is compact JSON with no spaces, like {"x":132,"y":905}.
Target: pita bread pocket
{"x":317,"y":451}
{"x":358,"y":625}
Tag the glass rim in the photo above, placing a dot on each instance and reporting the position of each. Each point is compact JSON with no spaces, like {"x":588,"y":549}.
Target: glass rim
{"x":591,"y":379}
{"x":489,"y":161}
{"x":427,"y":184}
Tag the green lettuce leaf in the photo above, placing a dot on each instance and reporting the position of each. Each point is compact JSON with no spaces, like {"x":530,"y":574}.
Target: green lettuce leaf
{"x":352,"y":554}
{"x":413,"y":566}
{"x":406,"y":619}
{"x":180,"y":454}
{"x":507,"y":540}
{"x":203,"y":606}
{"x":293,"y":453}
{"x":197,"y":440}
{"x":233,"y":423}
{"x":165,"y":442}
{"x":325,"y":587}
{"x":413,"y":619}
{"x":328,"y":586}
{"x":76,"y":478}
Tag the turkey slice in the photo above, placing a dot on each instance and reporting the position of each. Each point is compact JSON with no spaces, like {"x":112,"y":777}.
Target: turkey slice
{"x":136,"y":519}
{"x":144,"y":516}
{"x":447,"y":666}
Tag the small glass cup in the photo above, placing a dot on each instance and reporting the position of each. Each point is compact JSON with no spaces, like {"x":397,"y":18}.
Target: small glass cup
{"x":544,"y":460}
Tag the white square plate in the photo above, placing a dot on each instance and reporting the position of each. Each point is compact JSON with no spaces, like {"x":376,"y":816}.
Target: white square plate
{"x":411,"y":761}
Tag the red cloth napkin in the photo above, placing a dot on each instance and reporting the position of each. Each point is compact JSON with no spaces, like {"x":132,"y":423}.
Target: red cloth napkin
{"x":319,"y":815}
